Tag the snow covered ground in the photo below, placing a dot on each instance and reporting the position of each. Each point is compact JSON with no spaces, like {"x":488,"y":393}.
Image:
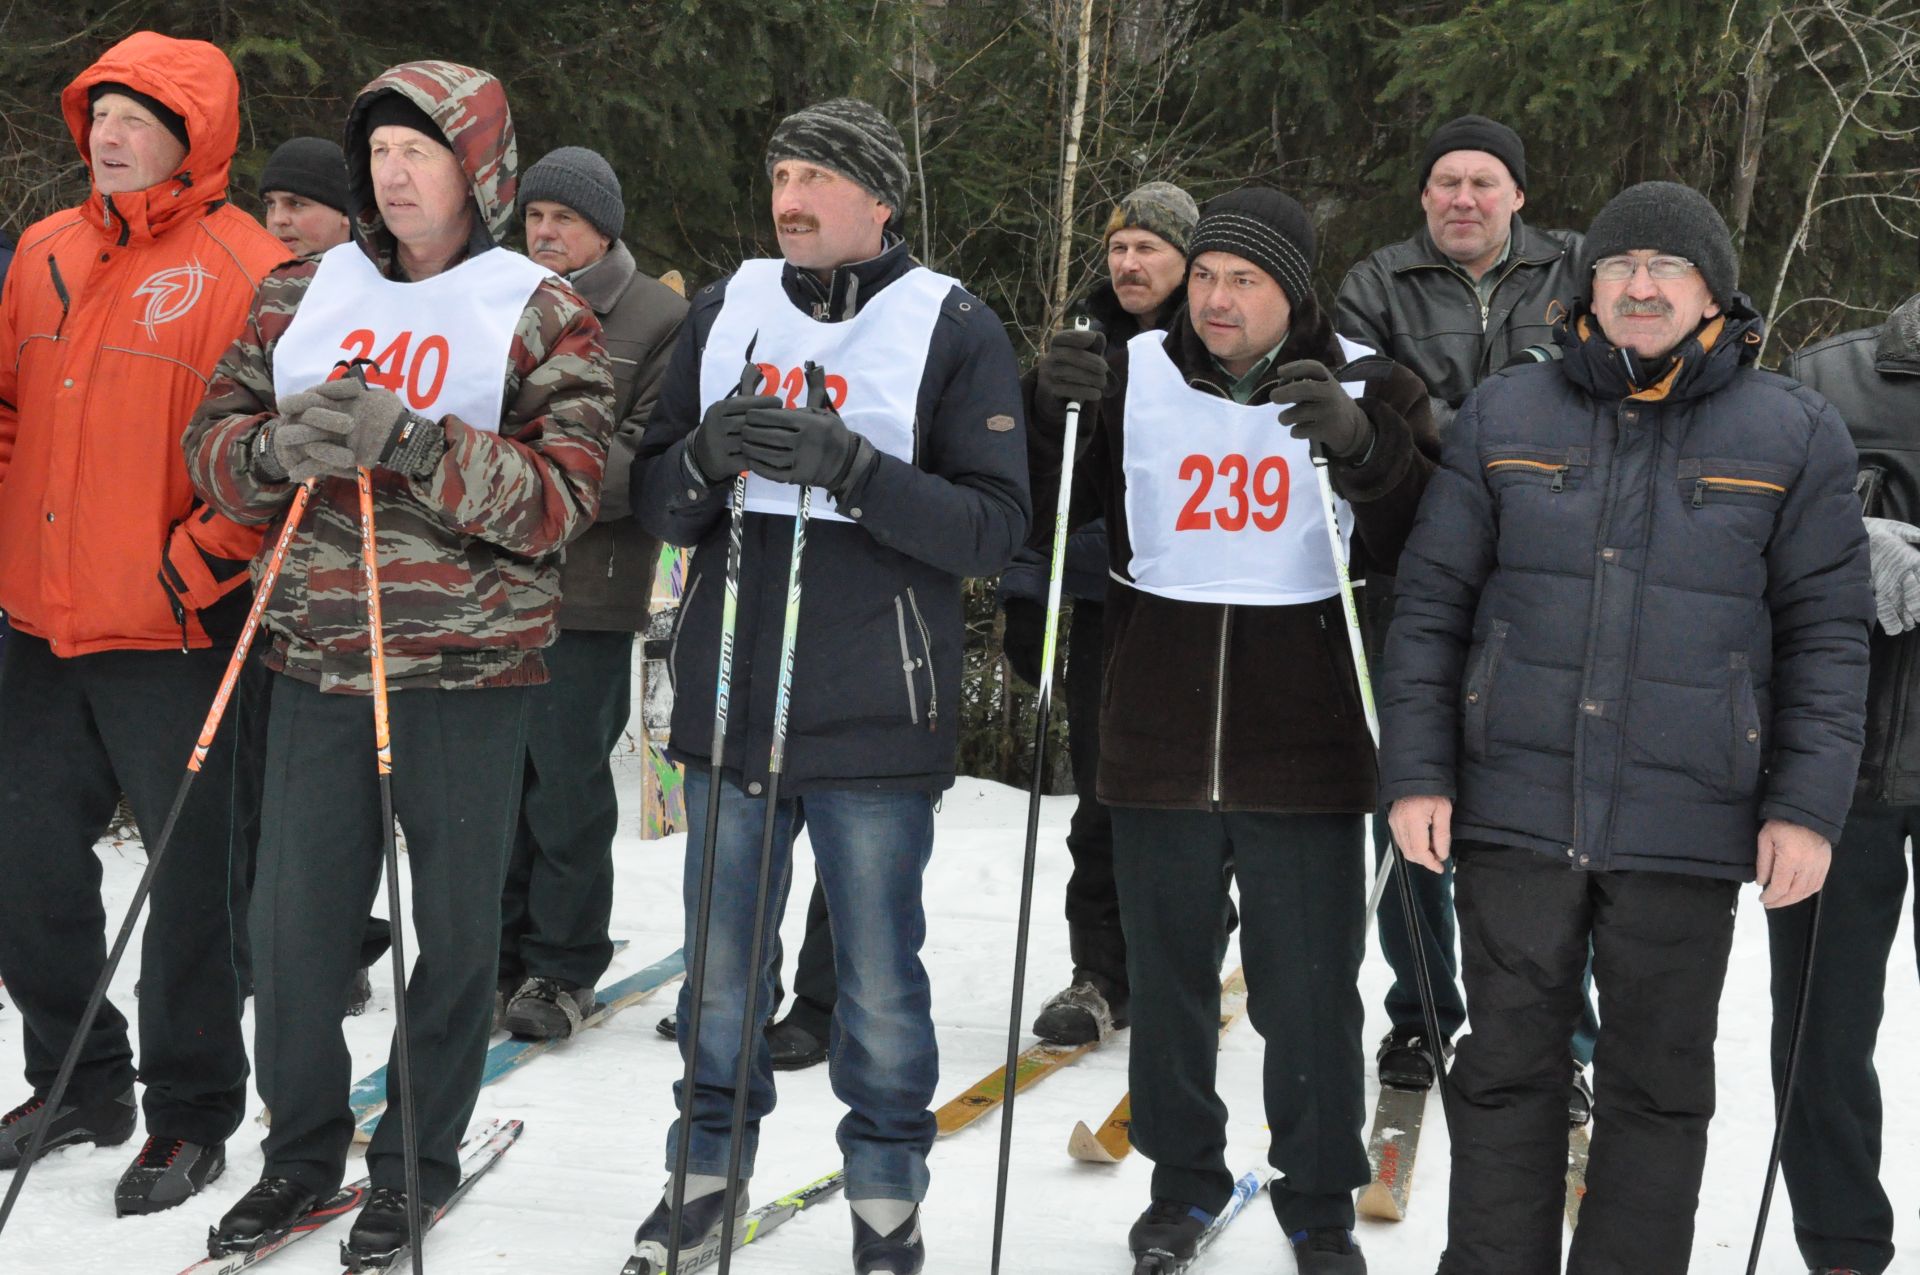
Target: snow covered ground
{"x":568,"y":1196}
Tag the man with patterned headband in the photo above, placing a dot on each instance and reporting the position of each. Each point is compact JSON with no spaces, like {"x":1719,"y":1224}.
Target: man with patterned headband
{"x":479,"y":481}
{"x":918,"y":460}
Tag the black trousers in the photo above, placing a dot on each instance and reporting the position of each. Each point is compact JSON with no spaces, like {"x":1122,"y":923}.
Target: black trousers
{"x":559,"y":895}
{"x":1302,"y":902}
{"x":75,"y":734}
{"x":1094,"y":933}
{"x":1660,"y":943}
{"x":1830,"y":1154}
{"x":457,"y":761}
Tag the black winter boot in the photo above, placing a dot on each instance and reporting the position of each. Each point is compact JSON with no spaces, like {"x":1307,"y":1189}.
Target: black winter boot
{"x":547,"y":1009}
{"x":167,"y":1172}
{"x":1166,"y":1235}
{"x":105,"y":1122}
{"x":268,"y":1210}
{"x":1080,"y":1014}
{"x":1403,"y":1059}
{"x":1327,"y":1250}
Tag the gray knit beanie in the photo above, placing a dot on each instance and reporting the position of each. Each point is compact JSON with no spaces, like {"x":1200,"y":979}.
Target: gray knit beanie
{"x":583,"y":181}
{"x":853,"y":139}
{"x":1160,"y":208}
{"x":1666,"y":217}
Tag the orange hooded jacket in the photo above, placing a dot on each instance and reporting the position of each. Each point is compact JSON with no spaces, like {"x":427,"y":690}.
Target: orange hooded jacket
{"x":111,"y":321}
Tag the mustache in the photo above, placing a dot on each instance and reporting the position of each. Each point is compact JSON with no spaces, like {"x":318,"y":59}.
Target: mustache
{"x":799,"y":221}
{"x":1130,"y":276}
{"x":1655,"y":307}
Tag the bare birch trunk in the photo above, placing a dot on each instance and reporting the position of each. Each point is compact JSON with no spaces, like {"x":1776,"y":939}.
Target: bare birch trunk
{"x":1070,"y":169}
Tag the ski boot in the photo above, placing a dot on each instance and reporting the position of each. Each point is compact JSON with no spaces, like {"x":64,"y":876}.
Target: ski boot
{"x":1403,"y":1059}
{"x":1081,"y":1014}
{"x":1166,"y":1236}
{"x":378,"y":1240}
{"x":1579,"y":1099}
{"x":902,"y":1251}
{"x":547,"y":1009}
{"x":1327,"y":1250}
{"x":269,"y":1209}
{"x":168,"y":1171}
{"x":105,"y":1122}
{"x":699,"y":1222}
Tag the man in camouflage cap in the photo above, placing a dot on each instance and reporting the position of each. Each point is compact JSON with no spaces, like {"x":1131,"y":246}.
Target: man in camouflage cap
{"x":479,"y":482}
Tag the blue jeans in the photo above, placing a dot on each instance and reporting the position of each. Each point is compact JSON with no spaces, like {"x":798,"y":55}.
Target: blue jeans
{"x":870,"y":850}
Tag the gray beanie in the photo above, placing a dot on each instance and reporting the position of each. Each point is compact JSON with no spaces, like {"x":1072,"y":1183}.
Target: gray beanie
{"x":580,"y":179}
{"x":1160,"y":208}
{"x":853,"y":139}
{"x":1666,"y":217}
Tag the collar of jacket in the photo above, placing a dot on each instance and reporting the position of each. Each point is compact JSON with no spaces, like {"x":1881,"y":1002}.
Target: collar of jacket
{"x":1897,"y":351}
{"x":1309,"y":336}
{"x":841,"y":294}
{"x":1526,"y":247}
{"x":601,"y":283}
{"x":1699,"y":366}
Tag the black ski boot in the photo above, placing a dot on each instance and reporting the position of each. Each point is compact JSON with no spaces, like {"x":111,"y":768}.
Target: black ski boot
{"x":168,"y":1171}
{"x":379,"y":1236}
{"x":668,"y":1028}
{"x":1579,"y":1098}
{"x":547,"y":1009}
{"x":1083,"y":1013}
{"x":105,"y":1122}
{"x":903,"y":1251}
{"x":794,"y":1047}
{"x":1327,"y":1250}
{"x":1403,"y":1060}
{"x":1166,"y":1235}
{"x":268,"y":1210}
{"x":359,"y":993}
{"x":699,"y":1223}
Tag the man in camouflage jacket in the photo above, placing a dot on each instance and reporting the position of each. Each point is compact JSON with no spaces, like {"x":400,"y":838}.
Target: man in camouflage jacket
{"x":478,"y":485}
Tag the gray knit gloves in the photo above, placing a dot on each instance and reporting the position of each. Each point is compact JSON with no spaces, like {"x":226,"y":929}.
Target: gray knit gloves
{"x":1896,"y":573}
{"x":340,"y":427}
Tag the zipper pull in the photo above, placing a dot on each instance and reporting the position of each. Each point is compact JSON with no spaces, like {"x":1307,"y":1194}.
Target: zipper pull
{"x":1559,"y":479}
{"x":933,"y":721}
{"x":1699,"y":493}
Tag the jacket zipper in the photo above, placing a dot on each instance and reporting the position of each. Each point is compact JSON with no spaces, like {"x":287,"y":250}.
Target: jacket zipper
{"x":906,"y":660}
{"x":926,"y":646}
{"x":1219,"y":705}
{"x":1559,"y":472}
{"x":1701,"y":486}
{"x":60,"y":290}
{"x":680,"y":622}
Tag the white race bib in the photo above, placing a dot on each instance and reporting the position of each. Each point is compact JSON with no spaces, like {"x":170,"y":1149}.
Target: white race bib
{"x":1222,"y":502}
{"x":442,"y":344}
{"x":874,"y":362}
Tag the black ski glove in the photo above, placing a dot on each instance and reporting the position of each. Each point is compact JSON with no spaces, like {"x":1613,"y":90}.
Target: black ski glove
{"x":1319,"y":411}
{"x":714,"y":449}
{"x":807,"y":446}
{"x":1073,"y":370}
{"x":1025,"y":638}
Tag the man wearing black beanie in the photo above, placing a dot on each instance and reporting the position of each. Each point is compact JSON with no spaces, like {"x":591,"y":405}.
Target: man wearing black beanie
{"x":1456,"y":302}
{"x":1627,"y":672}
{"x":1231,"y":728}
{"x":304,"y":190}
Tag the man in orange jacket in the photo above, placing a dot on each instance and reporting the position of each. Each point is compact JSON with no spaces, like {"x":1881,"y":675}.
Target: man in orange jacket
{"x":125,"y":595}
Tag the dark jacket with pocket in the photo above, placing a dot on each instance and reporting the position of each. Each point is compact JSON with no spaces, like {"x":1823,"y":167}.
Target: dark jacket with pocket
{"x":606,"y":583}
{"x":1208,"y":706}
{"x":876,"y":682}
{"x":1631,"y":623}
{"x":1872,"y":377}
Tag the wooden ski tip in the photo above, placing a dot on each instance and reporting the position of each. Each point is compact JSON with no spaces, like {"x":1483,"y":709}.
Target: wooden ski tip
{"x":1377,"y":1201}
{"x":1085,"y":1147}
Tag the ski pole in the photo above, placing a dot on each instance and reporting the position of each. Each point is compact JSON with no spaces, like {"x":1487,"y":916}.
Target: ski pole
{"x":383,"y":755}
{"x":1794,"y":1035}
{"x":1042,"y":710}
{"x":776,"y":763}
{"x":262,"y":592}
{"x":688,"y":1034}
{"x":1356,"y":644}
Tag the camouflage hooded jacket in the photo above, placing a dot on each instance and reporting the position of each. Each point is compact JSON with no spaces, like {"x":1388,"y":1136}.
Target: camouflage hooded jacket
{"x":470,"y":557}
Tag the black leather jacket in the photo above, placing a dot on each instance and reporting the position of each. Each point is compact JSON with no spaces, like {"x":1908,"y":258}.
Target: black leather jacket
{"x":1873,"y":377}
{"x":1411,"y":303}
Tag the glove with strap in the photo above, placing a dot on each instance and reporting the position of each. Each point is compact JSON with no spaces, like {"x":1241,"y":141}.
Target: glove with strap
{"x":342,"y":426}
{"x":1073,"y":370}
{"x":807,"y":446}
{"x":1319,"y":411}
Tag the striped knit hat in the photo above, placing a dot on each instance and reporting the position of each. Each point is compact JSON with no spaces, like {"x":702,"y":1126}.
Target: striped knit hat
{"x":853,"y":139}
{"x":1266,"y":227}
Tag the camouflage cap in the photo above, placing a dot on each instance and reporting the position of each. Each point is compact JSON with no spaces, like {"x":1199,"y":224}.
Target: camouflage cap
{"x":1161,"y":208}
{"x":853,"y":139}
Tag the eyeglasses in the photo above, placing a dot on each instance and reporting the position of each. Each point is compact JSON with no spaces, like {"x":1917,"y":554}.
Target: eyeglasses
{"x":1621,"y":269}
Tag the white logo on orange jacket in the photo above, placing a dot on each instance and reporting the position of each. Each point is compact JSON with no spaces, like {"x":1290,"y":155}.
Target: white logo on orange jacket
{"x":171,"y":293}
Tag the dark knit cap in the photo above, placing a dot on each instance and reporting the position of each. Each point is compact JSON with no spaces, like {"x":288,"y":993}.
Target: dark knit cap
{"x":1477,"y":133}
{"x":310,"y":167}
{"x":583,"y":181}
{"x":850,"y":137}
{"x":1160,"y":208}
{"x":396,"y":108}
{"x":1666,"y":217}
{"x":1266,"y":227}
{"x":170,"y":119}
